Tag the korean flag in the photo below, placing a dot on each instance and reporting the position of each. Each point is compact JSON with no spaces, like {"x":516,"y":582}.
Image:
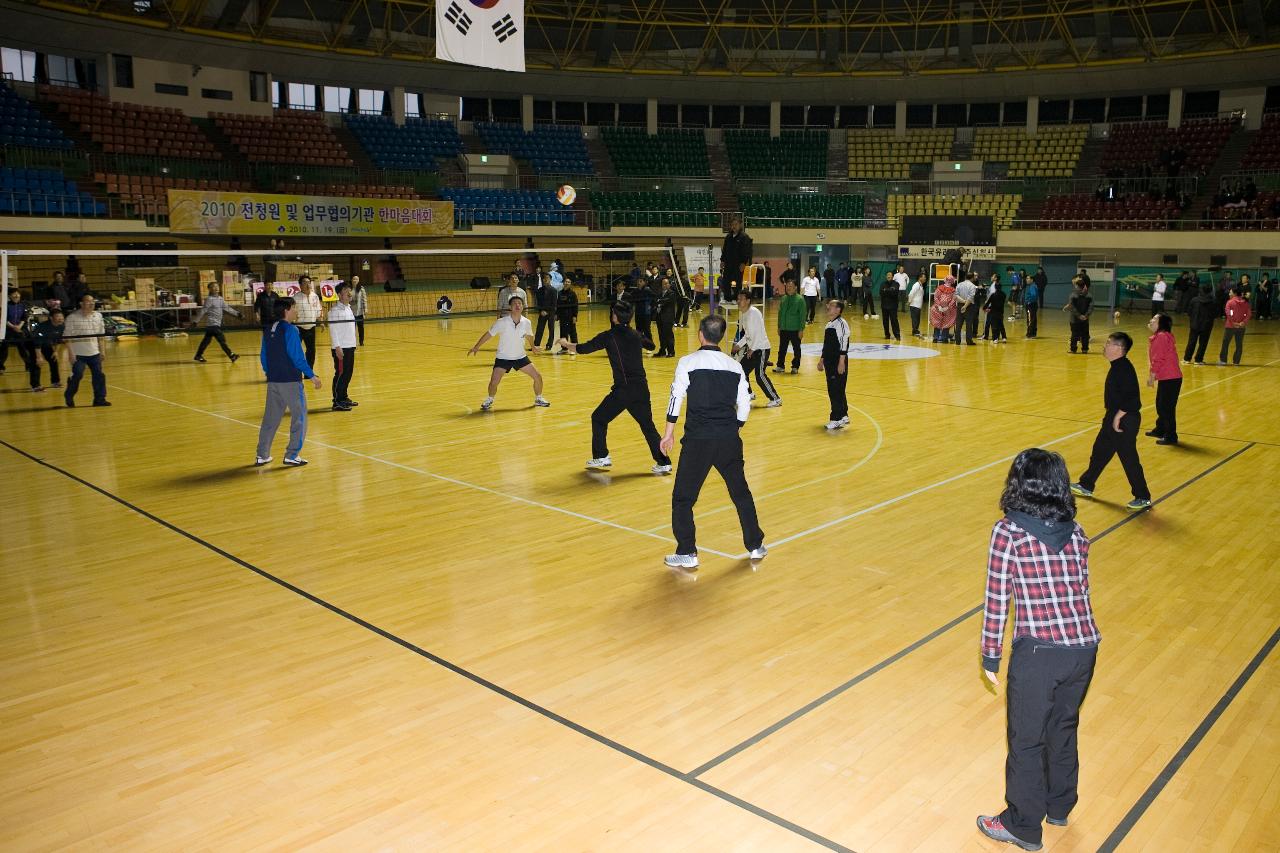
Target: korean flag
{"x":487,"y":33}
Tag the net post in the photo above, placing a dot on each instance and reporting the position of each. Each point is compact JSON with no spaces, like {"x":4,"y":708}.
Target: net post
{"x":4,"y":288}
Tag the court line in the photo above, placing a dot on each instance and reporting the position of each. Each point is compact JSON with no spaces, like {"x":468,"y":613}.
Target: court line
{"x":456,"y":669}
{"x":1175,"y":764}
{"x":433,"y":475}
{"x":927,"y":638}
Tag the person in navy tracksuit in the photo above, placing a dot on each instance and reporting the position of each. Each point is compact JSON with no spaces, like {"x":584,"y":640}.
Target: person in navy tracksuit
{"x":285,"y":365}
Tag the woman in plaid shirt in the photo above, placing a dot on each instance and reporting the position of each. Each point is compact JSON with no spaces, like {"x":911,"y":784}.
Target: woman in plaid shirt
{"x":1039,"y":558}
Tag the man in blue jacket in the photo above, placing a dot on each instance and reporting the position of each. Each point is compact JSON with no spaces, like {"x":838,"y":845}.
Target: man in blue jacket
{"x":285,"y":365}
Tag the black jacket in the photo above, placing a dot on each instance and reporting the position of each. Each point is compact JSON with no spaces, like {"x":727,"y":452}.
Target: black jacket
{"x":1081,"y":304}
{"x":1203,"y":311}
{"x":567,"y":307}
{"x":1121,"y":391}
{"x":889,"y":296}
{"x":548,"y":298}
{"x":623,"y":345}
{"x":666,"y":307}
{"x":265,"y":305}
{"x":734,"y":254}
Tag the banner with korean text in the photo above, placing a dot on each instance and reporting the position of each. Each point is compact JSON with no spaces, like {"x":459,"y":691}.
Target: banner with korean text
{"x":266,"y":214}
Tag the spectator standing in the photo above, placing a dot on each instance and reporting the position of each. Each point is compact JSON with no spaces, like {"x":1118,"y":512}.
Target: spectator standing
{"x":15,"y":332}
{"x":915,"y":301}
{"x":791,"y":321}
{"x":308,"y":313}
{"x":1162,"y":353}
{"x":343,"y":341}
{"x":211,"y":312}
{"x":359,"y":305}
{"x":1237,"y":317}
{"x":1201,"y":313}
{"x":809,"y":288}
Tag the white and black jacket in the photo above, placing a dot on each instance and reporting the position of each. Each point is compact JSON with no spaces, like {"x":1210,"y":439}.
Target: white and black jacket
{"x":716,"y":388}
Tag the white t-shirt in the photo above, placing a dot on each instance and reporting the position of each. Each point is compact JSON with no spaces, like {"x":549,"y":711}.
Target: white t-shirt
{"x":511,"y":337}
{"x":78,"y":324}
{"x":903,"y":280}
{"x":916,"y":298}
{"x":809,"y":286}
{"x":342,"y":327}
{"x":856,"y":279}
{"x":1158,"y":295}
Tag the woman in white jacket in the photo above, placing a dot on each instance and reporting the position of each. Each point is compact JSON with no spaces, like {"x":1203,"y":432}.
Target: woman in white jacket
{"x":810,"y":287}
{"x":915,"y":301}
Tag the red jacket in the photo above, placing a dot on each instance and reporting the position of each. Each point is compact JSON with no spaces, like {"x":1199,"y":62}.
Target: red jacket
{"x":1163,"y":354}
{"x":1238,"y":312}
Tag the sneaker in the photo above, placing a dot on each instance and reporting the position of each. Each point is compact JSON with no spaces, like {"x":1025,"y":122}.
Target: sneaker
{"x":681,"y":561}
{"x":833,"y":425}
{"x":38,"y":389}
{"x":866,"y":316}
{"x":1138,"y":504}
{"x":774,"y":403}
{"x":486,"y":404}
{"x":341,"y":407}
{"x":753,"y":395}
{"x":296,"y":461}
{"x":55,"y":384}
{"x":1186,"y":361}
{"x":992,"y":828}
{"x":1222,"y":364}
{"x":1056,"y":821}
{"x":200,"y":359}
{"x":71,"y":404}
{"x":779,"y":370}
{"x":541,"y":401}
{"x":758,"y":553}
{"x":349,"y":402}
{"x":101,"y":403}
{"x":795,"y":370}
{"x":600,"y":463}
{"x":875,"y":316}
{"x":1167,"y":441}
{"x":1155,"y":433}
{"x":234,"y":358}
{"x":661,"y":469}
{"x":844,"y":422}
{"x":259,"y":461}
{"x":1081,"y":491}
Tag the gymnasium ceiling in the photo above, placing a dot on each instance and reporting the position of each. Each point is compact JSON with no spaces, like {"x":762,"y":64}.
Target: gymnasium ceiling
{"x":747,"y":37}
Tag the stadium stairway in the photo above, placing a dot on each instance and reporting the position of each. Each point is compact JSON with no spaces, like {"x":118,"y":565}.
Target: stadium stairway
{"x":354,"y":149}
{"x":599,"y":154}
{"x":1090,"y":165}
{"x":838,"y":155}
{"x":722,"y":179}
{"x":49,"y":110}
{"x":230,"y":153}
{"x":1228,"y":161}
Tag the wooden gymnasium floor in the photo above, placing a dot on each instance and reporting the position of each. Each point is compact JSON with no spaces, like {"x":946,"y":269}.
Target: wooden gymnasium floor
{"x":445,"y":634}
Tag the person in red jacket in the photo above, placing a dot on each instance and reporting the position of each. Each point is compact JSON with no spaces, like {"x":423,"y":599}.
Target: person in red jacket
{"x":1237,"y":313}
{"x":1162,"y":354}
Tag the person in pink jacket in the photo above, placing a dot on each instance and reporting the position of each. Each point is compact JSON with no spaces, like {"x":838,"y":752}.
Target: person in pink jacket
{"x":1162,"y":354}
{"x":1238,"y":313}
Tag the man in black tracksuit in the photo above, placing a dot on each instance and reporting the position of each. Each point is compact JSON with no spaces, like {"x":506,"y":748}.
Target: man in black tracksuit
{"x":567,"y":313}
{"x":1120,"y":425}
{"x":665,"y":312}
{"x":735,"y":256}
{"x":630,"y":389}
{"x":548,"y":300}
{"x":1080,"y":306}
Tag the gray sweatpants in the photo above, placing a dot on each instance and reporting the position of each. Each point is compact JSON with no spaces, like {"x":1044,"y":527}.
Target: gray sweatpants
{"x":282,"y":396}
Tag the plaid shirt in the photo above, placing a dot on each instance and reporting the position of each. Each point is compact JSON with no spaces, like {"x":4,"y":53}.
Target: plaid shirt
{"x":1051,"y":590}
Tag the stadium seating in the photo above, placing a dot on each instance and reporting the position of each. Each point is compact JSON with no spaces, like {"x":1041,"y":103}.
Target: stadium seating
{"x":656,"y":209}
{"x":122,"y":128}
{"x":147,"y":196}
{"x":1002,"y":208}
{"x":670,"y":152}
{"x":1264,"y":151}
{"x":1054,"y":152}
{"x":1131,"y":147}
{"x":44,"y":192}
{"x":812,"y":209}
{"x":290,"y":136}
{"x":506,"y":207}
{"x":550,"y":149}
{"x":1136,"y":212}
{"x":794,"y":154}
{"x":882,"y":154}
{"x":414,"y":146}
{"x":351,"y":190}
{"x":22,"y":124}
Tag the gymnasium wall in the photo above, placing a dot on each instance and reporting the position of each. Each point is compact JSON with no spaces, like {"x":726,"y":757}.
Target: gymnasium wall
{"x":148,"y":72}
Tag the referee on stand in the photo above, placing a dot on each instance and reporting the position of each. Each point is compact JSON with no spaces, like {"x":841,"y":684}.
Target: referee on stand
{"x":718,"y":405}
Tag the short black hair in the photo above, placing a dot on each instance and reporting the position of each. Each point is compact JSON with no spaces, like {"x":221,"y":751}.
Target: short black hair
{"x":622,"y":311}
{"x":303,"y":277}
{"x":515,"y":298}
{"x":282,"y":306}
{"x":1039,"y":485}
{"x":1164,"y":323}
{"x":1123,"y":339}
{"x":341,"y":287}
{"x":744,"y":294}
{"x":713,"y":327}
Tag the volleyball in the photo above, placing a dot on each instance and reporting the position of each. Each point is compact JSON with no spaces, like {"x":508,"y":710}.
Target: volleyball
{"x":566,"y":195}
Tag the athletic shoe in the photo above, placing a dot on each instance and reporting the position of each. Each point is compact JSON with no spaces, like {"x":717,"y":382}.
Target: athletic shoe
{"x":602,"y":462}
{"x":341,"y":407}
{"x":753,"y":395}
{"x":795,"y":370}
{"x":259,"y":461}
{"x":71,"y":404}
{"x":875,"y":316}
{"x":661,"y":469}
{"x":200,"y":359}
{"x":833,"y":425}
{"x":1167,"y":441}
{"x":774,"y":403}
{"x":779,"y":370}
{"x":1186,"y":361}
{"x":1138,"y":504}
{"x":55,"y":384}
{"x":350,"y":402}
{"x":1155,"y":433}
{"x":1081,"y":491}
{"x":1056,"y":821}
{"x":296,"y":461}
{"x":681,"y":561}
{"x":1222,"y":364}
{"x":992,"y":828}
{"x":758,"y":553}
{"x":101,"y":403}
{"x":486,"y":404}
{"x":234,"y":358}
{"x":38,"y":389}
{"x":541,"y":401}
{"x":866,"y":316}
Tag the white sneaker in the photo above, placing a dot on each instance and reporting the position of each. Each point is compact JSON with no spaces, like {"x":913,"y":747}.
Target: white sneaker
{"x":753,"y":395}
{"x":602,"y":462}
{"x":866,"y":316}
{"x":875,"y":316}
{"x":682,"y":561}
{"x":262,"y":460}
{"x":661,"y":469}
{"x":758,"y":553}
{"x":833,"y":425}
{"x":296,"y":461}
{"x":844,"y":422}
{"x":541,"y":401}
{"x":774,"y":403}
{"x":486,"y":404}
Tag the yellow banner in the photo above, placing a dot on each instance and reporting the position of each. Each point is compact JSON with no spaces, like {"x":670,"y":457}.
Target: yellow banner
{"x":202,"y":212}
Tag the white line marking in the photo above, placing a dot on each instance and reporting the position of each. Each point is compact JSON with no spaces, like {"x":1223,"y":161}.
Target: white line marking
{"x":432,"y":474}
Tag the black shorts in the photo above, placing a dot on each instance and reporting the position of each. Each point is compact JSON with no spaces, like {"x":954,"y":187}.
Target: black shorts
{"x":510,"y":364}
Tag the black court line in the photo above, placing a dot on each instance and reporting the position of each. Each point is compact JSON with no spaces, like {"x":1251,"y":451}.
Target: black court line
{"x":920,"y":643}
{"x":1144,"y":802}
{"x":452,"y":667}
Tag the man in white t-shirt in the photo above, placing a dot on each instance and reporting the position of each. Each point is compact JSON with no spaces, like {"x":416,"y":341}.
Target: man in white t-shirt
{"x":80,"y":332}
{"x":904,"y":283}
{"x":1157,"y":295}
{"x":309,"y":312}
{"x":512,"y":333}
{"x":752,"y":347}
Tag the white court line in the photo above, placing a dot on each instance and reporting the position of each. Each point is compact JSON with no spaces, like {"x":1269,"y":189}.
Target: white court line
{"x":432,"y":474}
{"x":931,"y":486}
